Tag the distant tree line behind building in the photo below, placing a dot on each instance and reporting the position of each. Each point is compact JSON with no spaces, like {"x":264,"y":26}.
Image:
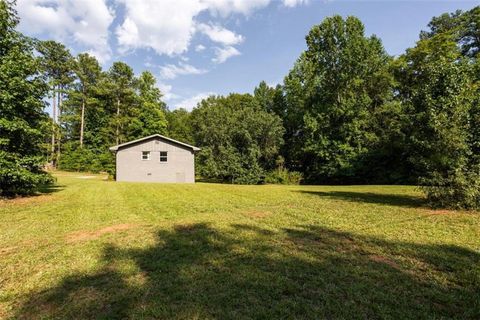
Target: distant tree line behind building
{"x":346,"y":113}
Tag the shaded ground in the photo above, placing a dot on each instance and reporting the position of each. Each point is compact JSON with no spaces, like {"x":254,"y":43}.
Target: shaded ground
{"x":105,"y":250}
{"x":407,"y":201}
{"x":196,"y":271}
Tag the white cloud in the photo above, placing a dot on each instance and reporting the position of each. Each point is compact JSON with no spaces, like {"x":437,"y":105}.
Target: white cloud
{"x":167,"y":26}
{"x":223,"y":54}
{"x":103,"y":54}
{"x":192,"y":102}
{"x":166,"y":91}
{"x":84,"y":23}
{"x":199,"y":48}
{"x":171,"y":71}
{"x":294,"y":3}
{"x":219,"y":34}
{"x":226,"y":7}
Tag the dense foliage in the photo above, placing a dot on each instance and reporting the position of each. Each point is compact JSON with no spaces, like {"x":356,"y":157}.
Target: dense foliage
{"x":438,"y":85}
{"x":333,"y":94}
{"x":22,"y":88}
{"x":106,"y":108}
{"x":239,"y":140}
{"x":346,"y":112}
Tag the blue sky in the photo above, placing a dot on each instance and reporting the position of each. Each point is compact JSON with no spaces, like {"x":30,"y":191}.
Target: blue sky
{"x":200,"y":47}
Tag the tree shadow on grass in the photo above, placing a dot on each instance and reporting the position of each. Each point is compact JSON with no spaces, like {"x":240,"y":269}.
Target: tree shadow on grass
{"x":196,"y":271}
{"x":48,"y":189}
{"x":370,"y":197}
{"x":41,"y":191}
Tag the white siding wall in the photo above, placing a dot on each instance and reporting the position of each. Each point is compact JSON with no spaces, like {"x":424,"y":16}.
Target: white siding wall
{"x":179,"y":168}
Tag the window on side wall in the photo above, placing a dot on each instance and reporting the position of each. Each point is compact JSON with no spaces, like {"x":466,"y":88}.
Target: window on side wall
{"x":145,"y":155}
{"x":163,"y":156}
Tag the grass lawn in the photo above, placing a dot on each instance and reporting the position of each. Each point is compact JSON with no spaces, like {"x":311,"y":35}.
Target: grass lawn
{"x":90,"y":248}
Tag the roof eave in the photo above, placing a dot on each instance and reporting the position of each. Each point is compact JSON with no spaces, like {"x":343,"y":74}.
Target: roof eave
{"x":115,"y":148}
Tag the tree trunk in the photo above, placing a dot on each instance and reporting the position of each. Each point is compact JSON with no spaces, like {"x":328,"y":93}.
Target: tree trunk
{"x":82,"y":121}
{"x":117,"y":134}
{"x":54,"y":121}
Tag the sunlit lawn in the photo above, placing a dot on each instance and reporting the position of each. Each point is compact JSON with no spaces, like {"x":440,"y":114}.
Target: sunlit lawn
{"x":91,"y":248}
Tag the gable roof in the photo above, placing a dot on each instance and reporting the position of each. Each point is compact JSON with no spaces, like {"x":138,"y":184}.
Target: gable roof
{"x":115,"y":148}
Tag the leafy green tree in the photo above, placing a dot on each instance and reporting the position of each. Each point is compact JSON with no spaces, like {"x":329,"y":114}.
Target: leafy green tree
{"x":240,"y":141}
{"x":296,"y":93}
{"x":120,"y":108}
{"x":340,"y":80}
{"x":265,"y":95}
{"x":86,"y":115}
{"x":437,"y":90}
{"x":88,"y":72}
{"x":475,"y":112}
{"x":121,"y":87}
{"x":270,"y":99}
{"x":180,"y":126}
{"x":462,"y":27}
{"x":22,"y":89}
{"x":151,"y":114}
{"x":100,"y":114}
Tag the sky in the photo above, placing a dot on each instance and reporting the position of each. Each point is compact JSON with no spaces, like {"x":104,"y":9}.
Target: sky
{"x":197,"y":48}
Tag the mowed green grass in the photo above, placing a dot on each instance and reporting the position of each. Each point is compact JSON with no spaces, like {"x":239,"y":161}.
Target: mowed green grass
{"x":96,"y":249}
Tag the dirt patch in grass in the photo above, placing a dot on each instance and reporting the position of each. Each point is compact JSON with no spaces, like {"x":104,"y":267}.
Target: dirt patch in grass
{"x":36,"y":199}
{"x":79,"y":236}
{"x":3,"y":311}
{"x":257,"y":214}
{"x":7,"y":250}
{"x":384,"y":260}
{"x":24,"y":245}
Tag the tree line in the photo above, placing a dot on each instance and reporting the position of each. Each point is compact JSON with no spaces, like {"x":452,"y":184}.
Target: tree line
{"x":346,"y":113}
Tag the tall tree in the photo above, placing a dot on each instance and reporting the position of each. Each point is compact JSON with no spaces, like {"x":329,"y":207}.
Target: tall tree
{"x":22,"y":89}
{"x":296,"y":92}
{"x":151,"y":113}
{"x":88,"y":71}
{"x":57,"y":63}
{"x":240,"y":141}
{"x":122,"y":82}
{"x":438,"y":93}
{"x":462,"y":27}
{"x":270,"y":98}
{"x":338,"y":83}
{"x":180,"y":125}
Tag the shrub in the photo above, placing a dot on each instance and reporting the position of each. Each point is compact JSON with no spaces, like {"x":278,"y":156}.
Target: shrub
{"x":459,"y":190}
{"x":283,"y":176}
{"x":21,"y":176}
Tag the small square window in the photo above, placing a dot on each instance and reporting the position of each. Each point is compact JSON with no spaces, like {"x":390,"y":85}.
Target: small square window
{"x":145,"y":155}
{"x":163,"y":156}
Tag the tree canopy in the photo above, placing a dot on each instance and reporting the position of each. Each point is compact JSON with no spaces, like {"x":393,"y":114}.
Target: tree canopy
{"x":22,"y":88}
{"x":240,"y":141}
